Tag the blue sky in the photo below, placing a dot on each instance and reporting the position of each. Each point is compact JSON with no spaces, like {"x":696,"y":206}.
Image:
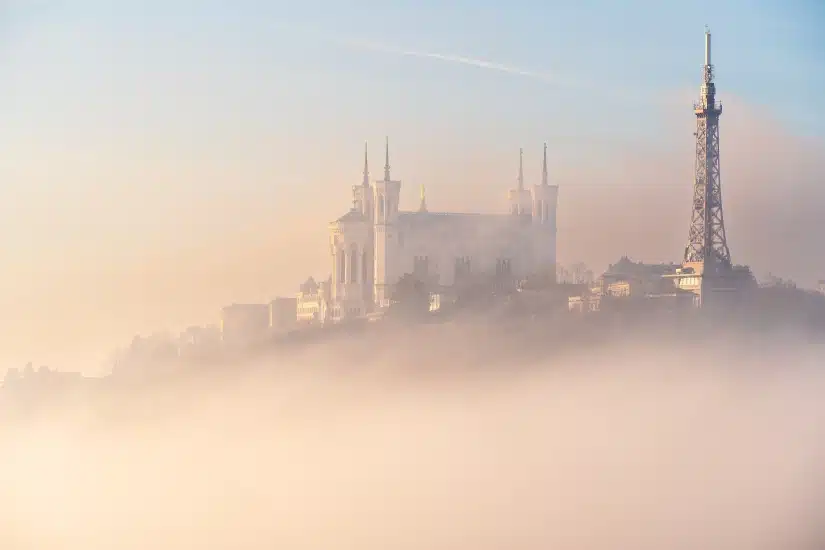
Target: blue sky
{"x":133,"y":131}
{"x":150,"y":78}
{"x":766,"y":52}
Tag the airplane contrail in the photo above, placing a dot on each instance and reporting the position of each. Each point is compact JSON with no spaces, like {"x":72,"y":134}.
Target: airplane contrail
{"x":470,"y":61}
{"x":546,"y":77}
{"x":551,"y":78}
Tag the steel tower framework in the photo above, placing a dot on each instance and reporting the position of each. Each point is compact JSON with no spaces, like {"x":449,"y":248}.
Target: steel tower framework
{"x":707,"y":242}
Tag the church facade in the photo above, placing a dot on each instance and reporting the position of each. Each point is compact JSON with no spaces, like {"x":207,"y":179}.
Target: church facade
{"x":376,"y":243}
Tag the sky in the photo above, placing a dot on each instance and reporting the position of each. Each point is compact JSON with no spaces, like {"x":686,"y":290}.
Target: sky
{"x":163,"y":159}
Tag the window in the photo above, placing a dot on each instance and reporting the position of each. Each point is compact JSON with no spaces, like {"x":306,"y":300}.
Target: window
{"x":353,"y":265}
{"x":462,"y":268}
{"x":421,"y":266}
{"x":342,"y":267}
{"x":380,"y":207}
{"x":503,"y":267}
{"x":365,"y":267}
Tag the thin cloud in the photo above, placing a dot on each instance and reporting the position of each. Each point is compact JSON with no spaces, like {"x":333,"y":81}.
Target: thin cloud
{"x":472,"y":62}
{"x":552,"y":78}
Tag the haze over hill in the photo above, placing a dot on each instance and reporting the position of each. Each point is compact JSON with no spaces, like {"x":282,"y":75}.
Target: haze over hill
{"x":466,"y":442}
{"x":161,"y":161}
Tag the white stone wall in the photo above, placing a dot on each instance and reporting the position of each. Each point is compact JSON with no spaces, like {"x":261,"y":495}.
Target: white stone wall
{"x":545,"y":205}
{"x":390,"y":243}
{"x":483,"y":239}
{"x":386,"y":198}
{"x":350,"y":246}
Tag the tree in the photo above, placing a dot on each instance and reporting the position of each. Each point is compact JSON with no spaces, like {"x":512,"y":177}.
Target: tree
{"x":12,"y":376}
{"x":539,"y":280}
{"x":410,"y":296}
{"x":774,"y":281}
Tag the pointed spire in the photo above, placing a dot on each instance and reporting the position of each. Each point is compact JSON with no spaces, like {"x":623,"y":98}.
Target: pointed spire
{"x":423,"y":206}
{"x":366,"y":182}
{"x":544,"y":166}
{"x":521,"y":169}
{"x":387,"y":159}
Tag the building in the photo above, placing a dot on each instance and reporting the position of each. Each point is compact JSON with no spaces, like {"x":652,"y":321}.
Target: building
{"x":627,"y":282}
{"x":42,"y":379}
{"x":377,"y":242}
{"x":196,"y":341}
{"x":312,"y":302}
{"x":244,"y":324}
{"x":821,"y":286}
{"x":282,"y":313}
{"x":158,"y":347}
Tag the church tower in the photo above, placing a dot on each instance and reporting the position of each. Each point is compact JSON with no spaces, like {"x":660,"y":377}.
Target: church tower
{"x":362,"y":194}
{"x":545,"y":199}
{"x":519,"y":198}
{"x":352,"y":249}
{"x":386,"y":196}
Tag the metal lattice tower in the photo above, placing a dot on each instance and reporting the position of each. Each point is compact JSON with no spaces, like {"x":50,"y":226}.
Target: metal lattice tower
{"x":707,"y":242}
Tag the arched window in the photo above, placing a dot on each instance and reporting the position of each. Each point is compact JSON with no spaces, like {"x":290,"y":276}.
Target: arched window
{"x":342,"y":267}
{"x":353,"y":265}
{"x":421,"y":267}
{"x":380,"y":207}
{"x":365,"y":276}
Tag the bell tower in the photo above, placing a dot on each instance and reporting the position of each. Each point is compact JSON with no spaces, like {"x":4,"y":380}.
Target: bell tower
{"x":520,"y":201}
{"x":545,"y":200}
{"x":386,"y":196}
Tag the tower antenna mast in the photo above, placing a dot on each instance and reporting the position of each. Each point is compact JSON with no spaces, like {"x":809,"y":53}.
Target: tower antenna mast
{"x":707,"y":242}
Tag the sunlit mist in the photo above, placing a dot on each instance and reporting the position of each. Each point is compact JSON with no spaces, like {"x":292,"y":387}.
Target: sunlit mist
{"x":631,"y":446}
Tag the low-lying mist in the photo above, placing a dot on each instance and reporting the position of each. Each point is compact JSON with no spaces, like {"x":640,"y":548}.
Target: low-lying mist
{"x":413,"y":442}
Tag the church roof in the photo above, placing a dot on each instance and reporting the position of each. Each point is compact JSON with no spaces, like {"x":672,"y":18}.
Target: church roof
{"x":309,"y":286}
{"x":352,"y":216}
{"x":442,"y":215}
{"x":415,"y":218}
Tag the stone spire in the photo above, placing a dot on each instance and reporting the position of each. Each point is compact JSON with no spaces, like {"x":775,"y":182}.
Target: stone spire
{"x":544,"y":166}
{"x":387,"y":159}
{"x":521,"y":169}
{"x":366,"y":182}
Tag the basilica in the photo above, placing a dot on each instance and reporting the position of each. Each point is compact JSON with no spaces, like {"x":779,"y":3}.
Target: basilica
{"x":374,"y":244}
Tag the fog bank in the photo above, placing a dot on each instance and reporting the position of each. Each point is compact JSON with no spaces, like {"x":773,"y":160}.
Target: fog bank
{"x":639,"y":447}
